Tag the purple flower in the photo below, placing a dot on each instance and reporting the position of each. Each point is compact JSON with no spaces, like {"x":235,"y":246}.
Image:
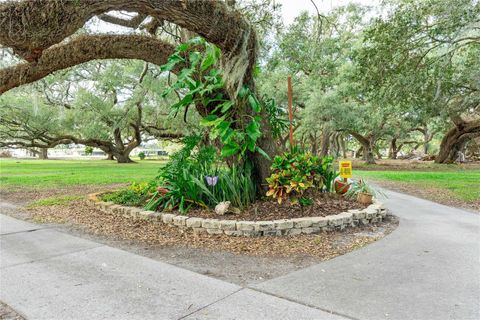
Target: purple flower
{"x":211,"y":180}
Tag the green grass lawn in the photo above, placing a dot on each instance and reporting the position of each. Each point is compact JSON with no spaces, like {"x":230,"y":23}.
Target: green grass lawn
{"x":463,"y":184}
{"x":44,"y":174}
{"x":58,"y":173}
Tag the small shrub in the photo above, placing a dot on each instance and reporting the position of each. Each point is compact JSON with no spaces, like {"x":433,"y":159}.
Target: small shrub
{"x":88,"y":151}
{"x":136,"y":194}
{"x":362,"y":187}
{"x":141,"y":155}
{"x":293,"y":173}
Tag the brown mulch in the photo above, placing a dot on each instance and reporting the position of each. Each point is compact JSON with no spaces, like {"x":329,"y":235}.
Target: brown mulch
{"x":323,"y":205}
{"x":81,"y":215}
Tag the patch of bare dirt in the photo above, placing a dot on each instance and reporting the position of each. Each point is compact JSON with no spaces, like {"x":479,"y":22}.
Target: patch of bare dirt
{"x":323,"y":205}
{"x":23,"y":196}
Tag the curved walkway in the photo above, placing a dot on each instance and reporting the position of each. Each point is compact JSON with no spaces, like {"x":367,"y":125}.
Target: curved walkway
{"x":429,"y":268}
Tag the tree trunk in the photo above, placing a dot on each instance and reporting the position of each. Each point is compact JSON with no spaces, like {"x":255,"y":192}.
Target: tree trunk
{"x":325,"y":143}
{"x":359,"y":152}
{"x":367,"y":143}
{"x":342,"y":146}
{"x":455,"y":140}
{"x":314,"y":143}
{"x":261,"y":165}
{"x":393,"y":151}
{"x":368,"y":155}
{"x":123,"y":158}
{"x":43,"y":154}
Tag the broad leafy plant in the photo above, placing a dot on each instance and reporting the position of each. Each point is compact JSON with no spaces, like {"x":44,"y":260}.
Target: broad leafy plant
{"x":235,"y":121}
{"x":295,"y":172}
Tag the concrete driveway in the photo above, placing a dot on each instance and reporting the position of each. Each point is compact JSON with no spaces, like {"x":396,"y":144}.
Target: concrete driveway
{"x":429,"y":268}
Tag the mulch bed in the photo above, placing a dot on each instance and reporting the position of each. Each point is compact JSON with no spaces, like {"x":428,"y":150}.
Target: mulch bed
{"x":323,"y":205}
{"x":83,"y":216}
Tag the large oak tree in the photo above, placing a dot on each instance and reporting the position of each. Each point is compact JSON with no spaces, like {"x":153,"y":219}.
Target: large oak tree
{"x":45,"y":34}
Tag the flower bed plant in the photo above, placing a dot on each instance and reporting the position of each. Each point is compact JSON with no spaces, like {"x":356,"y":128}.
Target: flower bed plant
{"x":295,"y":174}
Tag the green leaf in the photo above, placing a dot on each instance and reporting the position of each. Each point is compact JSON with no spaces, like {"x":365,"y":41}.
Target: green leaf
{"x":183,"y":47}
{"x":172,"y":61}
{"x":243,"y":92}
{"x":254,"y":103}
{"x":230,"y":149}
{"x":183,"y":103}
{"x":227,"y":134}
{"x":194,"y":57}
{"x":209,"y":59}
{"x":251,"y":145}
{"x":263,"y":153}
{"x":253,"y":130}
{"x":209,"y":120}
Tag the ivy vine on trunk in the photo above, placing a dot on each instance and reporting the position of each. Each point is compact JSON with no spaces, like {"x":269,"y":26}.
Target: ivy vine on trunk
{"x":234,"y":121}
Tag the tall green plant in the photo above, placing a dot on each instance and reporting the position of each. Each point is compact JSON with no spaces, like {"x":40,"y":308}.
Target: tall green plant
{"x":200,"y":81}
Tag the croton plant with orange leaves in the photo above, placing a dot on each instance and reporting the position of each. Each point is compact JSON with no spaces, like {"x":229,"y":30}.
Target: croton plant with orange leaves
{"x":293,"y":173}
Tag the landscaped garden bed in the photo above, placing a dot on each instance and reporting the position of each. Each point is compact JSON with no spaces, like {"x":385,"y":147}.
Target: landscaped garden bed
{"x":325,"y":204}
{"x":220,"y":183}
{"x":304,"y":225}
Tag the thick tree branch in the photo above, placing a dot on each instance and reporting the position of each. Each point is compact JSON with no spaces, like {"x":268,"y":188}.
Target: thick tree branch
{"x":83,"y":49}
{"x":30,"y":28}
{"x":131,"y":23}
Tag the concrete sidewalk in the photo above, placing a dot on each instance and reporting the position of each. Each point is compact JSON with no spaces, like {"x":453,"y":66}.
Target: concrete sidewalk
{"x":47,"y":274}
{"x":427,"y":269}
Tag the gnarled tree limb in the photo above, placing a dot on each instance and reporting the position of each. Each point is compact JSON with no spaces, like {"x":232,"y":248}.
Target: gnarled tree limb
{"x":83,"y":49}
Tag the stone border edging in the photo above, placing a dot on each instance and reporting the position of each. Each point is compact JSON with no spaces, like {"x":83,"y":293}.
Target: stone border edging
{"x":375,"y":212}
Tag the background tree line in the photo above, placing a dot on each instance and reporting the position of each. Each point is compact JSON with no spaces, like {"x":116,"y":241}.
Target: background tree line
{"x":405,"y":76}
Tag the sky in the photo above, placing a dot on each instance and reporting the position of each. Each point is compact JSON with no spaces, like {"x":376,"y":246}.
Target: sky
{"x":292,"y":8}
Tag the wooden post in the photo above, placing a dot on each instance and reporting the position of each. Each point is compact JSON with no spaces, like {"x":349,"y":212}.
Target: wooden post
{"x":290,"y":110}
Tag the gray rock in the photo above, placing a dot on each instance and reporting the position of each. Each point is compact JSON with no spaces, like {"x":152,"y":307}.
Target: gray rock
{"x":252,"y":233}
{"x":210,"y":224}
{"x":302,"y":222}
{"x":233,"y":233}
{"x":283,"y":224}
{"x":311,"y":230}
{"x":227,"y":225}
{"x":319,"y":221}
{"x":245,"y":225}
{"x":272,"y":232}
{"x":214,"y":231}
{"x":293,"y":231}
{"x":180,"y":220}
{"x":167,"y":218}
{"x":194,"y":222}
{"x":264,"y":225}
